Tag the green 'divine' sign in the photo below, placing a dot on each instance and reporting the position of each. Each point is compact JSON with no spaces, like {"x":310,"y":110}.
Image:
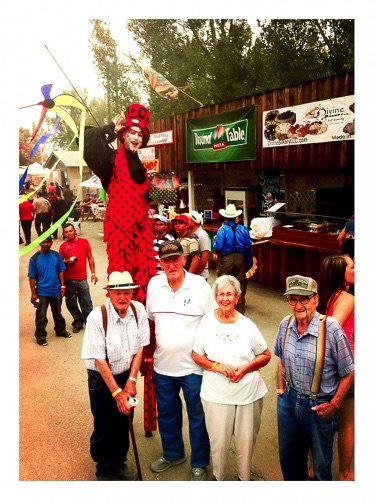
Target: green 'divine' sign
{"x":229,"y":136}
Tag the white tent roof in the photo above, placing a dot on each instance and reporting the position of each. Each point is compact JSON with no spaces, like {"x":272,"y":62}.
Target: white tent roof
{"x":92,"y":182}
{"x":34,"y":169}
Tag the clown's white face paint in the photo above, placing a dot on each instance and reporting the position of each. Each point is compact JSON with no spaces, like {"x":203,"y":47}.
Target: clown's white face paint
{"x":133,"y":138}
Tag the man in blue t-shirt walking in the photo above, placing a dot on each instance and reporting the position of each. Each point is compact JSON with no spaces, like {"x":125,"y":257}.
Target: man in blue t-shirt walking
{"x":47,"y":284}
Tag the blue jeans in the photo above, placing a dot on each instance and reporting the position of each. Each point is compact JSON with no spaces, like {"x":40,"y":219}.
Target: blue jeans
{"x":170,"y":419}
{"x":109,"y":442}
{"x":300,"y":429}
{"x":78,"y":290}
{"x":41,"y":319}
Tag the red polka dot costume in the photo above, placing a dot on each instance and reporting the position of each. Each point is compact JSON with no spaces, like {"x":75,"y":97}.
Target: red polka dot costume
{"x":128,"y":230}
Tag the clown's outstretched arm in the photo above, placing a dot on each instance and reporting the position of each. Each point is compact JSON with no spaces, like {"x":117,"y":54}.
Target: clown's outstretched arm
{"x":99,"y":152}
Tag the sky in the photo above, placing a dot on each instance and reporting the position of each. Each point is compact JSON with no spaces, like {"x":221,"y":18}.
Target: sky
{"x":66,"y":62}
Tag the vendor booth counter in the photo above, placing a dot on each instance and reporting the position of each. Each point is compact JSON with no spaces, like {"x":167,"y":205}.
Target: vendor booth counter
{"x":287,"y":252}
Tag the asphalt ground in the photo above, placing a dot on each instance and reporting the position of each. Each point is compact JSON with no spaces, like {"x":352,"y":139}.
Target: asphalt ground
{"x":55,"y":421}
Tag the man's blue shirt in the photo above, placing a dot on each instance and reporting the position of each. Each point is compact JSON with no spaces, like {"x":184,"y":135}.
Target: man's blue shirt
{"x":45,"y":270}
{"x":231,"y":238}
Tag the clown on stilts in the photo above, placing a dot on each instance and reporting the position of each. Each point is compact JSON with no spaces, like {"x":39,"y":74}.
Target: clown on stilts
{"x":128,"y":229}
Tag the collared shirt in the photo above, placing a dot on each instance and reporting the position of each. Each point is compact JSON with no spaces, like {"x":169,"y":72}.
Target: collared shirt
{"x":123,"y":340}
{"x":41,"y":205}
{"x":300,"y":355}
{"x":177,"y":316}
{"x":231,"y":238}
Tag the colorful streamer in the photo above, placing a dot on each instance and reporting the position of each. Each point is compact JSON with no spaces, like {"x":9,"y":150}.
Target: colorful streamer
{"x":41,"y":141}
{"x":63,"y":100}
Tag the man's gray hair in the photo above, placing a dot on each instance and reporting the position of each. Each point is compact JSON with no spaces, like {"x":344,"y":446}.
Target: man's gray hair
{"x":225,"y":280}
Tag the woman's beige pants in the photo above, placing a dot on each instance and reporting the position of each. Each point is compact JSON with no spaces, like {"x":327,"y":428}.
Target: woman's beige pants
{"x":223,"y":422}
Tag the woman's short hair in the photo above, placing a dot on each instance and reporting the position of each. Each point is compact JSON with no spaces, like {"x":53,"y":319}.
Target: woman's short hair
{"x":225,"y":280}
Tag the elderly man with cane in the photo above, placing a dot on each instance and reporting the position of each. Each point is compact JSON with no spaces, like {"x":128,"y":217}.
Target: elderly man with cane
{"x":113,"y":343}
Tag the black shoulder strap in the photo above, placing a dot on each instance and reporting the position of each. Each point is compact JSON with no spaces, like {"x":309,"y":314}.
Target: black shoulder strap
{"x":104,"y":315}
{"x":135,"y":313}
{"x":234,"y":236}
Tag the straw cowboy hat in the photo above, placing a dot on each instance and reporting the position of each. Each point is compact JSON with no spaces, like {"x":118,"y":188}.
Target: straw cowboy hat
{"x":120,"y":281}
{"x":230,"y":212}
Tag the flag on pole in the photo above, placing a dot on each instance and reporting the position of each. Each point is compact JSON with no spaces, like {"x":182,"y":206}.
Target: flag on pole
{"x":159,"y":83}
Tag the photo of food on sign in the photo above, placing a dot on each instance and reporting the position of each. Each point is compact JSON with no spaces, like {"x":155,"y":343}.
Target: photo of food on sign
{"x":312,"y":120}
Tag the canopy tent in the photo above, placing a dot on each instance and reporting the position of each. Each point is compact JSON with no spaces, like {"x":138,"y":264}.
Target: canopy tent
{"x":92,"y":182}
{"x":34,"y":169}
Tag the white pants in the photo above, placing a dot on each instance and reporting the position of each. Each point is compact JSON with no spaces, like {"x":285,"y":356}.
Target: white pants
{"x":223,"y":422}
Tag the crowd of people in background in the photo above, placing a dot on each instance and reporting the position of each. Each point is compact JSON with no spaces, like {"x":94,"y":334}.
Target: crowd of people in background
{"x":46,"y":205}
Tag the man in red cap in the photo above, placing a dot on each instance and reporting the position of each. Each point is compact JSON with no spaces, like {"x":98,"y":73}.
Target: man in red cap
{"x":128,"y":230}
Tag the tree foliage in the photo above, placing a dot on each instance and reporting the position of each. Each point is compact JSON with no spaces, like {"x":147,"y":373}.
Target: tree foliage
{"x":117,"y":78}
{"x":24,"y":153}
{"x":218,"y":60}
{"x":209,"y":61}
{"x":297,"y":50}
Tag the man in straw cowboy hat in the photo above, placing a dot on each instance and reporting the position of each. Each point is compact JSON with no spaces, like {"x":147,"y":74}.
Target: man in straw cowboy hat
{"x":230,"y":243}
{"x":113,"y":356}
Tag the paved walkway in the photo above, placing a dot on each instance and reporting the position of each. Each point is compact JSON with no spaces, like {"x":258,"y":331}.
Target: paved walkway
{"x":55,"y":418}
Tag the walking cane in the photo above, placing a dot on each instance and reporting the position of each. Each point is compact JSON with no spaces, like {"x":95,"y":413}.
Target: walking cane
{"x":134,"y":440}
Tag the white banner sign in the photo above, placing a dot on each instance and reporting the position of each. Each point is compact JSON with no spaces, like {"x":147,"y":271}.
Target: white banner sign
{"x":161,"y":138}
{"x":146,"y":154}
{"x":315,"y":122}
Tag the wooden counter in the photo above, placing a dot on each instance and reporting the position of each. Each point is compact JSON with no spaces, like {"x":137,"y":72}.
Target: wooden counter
{"x":287,"y":252}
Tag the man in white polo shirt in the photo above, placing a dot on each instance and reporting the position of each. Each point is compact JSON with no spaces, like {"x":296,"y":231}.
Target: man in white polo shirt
{"x":176,"y":302}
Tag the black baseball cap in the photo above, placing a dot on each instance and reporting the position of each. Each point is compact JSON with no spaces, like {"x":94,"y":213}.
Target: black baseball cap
{"x":171,"y":248}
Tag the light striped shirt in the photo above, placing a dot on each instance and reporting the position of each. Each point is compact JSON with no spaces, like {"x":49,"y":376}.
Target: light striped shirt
{"x":300,"y":355}
{"x":123,"y":341}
